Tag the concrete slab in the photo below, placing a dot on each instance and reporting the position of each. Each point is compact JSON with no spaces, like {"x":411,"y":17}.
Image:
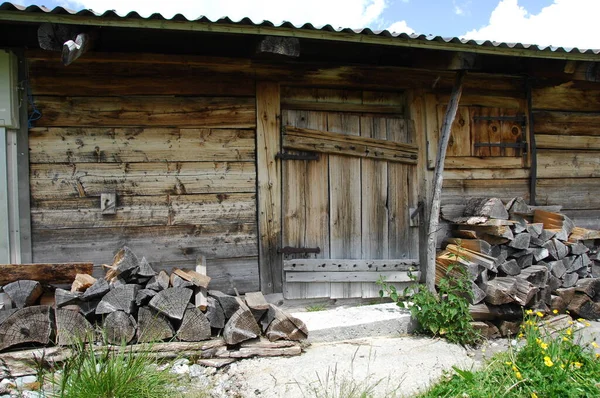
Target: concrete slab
{"x":344,"y":323}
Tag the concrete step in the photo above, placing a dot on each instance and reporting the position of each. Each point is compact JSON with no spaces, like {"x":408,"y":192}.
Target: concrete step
{"x":344,"y":323}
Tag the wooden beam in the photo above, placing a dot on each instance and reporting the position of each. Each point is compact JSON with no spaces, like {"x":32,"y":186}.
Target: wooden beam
{"x":268,"y":142}
{"x":49,"y":273}
{"x":4,"y":213}
{"x":316,"y":264}
{"x":308,"y":277}
{"x":279,"y":46}
{"x":434,"y":210}
{"x":316,"y":34}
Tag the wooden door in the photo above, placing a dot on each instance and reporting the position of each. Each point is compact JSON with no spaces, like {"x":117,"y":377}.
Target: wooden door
{"x":353,"y":203}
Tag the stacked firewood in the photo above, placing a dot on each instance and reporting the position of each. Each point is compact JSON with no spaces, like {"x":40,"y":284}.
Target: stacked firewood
{"x":520,"y":255}
{"x":135,"y":304}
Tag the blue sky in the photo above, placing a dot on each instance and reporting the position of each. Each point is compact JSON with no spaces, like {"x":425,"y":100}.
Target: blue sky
{"x":569,"y":23}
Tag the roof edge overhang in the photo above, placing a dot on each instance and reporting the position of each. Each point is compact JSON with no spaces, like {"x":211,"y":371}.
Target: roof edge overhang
{"x":401,"y":40}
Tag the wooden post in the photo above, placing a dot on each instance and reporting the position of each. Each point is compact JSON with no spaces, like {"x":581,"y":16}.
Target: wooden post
{"x":268,"y":143}
{"x":434,"y":209}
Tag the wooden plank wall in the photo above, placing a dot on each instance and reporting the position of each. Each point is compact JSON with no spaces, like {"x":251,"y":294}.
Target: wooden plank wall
{"x":176,"y":144}
{"x":567,"y":129}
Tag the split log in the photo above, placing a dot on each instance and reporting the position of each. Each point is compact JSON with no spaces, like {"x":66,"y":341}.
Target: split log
{"x":447,"y":264}
{"x":556,"y":249}
{"x":544,"y":237}
{"x":582,"y":306}
{"x":279,"y":46}
{"x":72,"y":327}
{"x":589,"y":286}
{"x":64,"y":297}
{"x":119,"y":328}
{"x":144,"y":296}
{"x":557,"y":303}
{"x":537,"y":275}
{"x":152,"y":326}
{"x":125,"y":262}
{"x":200,"y":292}
{"x":510,"y":267}
{"x":540,"y":253}
{"x":524,"y":291}
{"x":5,"y":313}
{"x":257,"y":304}
{"x":451,"y":212}
{"x":477,"y":295}
{"x":552,"y":220}
{"x":486,"y":207}
{"x":88,"y":308}
{"x":500,"y":231}
{"x":577,"y":248}
{"x":96,"y":291}
{"x":499,"y":290}
{"x":241,"y":326}
{"x":570,"y":279}
{"x":82,"y":282}
{"x":177,"y":281}
{"x":535,"y":229}
{"x":517,"y":206}
{"x":23,"y":293}
{"x":27,"y":325}
{"x":566,"y":294}
{"x":487,"y":330}
{"x":525,"y":261}
{"x":520,"y":226}
{"x":284,"y":326}
{"x":485,"y":261}
{"x":560,"y":234}
{"x":476,"y":245}
{"x":145,"y":269}
{"x":485,"y":312}
{"x":509,"y":328}
{"x":520,"y":241}
{"x":192,"y":276}
{"x":121,"y":298}
{"x":172,"y":302}
{"x":159,"y":282}
{"x":43,"y":273}
{"x":557,"y":268}
{"x":229,"y":304}
{"x":215,"y":314}
{"x":553,"y":283}
{"x":579,"y":234}
{"x":500,"y":253}
{"x":194,"y":325}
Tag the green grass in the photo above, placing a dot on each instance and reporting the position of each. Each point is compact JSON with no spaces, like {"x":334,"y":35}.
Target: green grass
{"x":111,"y":374}
{"x":542,"y":366}
{"x":316,"y":307}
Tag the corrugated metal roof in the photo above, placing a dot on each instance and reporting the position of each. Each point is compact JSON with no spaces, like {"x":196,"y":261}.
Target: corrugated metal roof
{"x":33,"y":13}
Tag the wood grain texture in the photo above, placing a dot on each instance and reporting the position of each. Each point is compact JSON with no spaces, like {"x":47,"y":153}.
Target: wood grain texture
{"x":341,"y":265}
{"x":456,"y":191}
{"x":485,"y":162}
{"x":551,"y":141}
{"x":347,"y":277}
{"x":566,"y":123}
{"x":208,"y":112}
{"x":572,"y":193}
{"x":42,"y":272}
{"x":118,"y":145}
{"x":56,"y":181}
{"x":563,"y":97}
{"x":568,"y":164}
{"x":460,"y":138}
{"x":269,"y":185}
{"x":221,"y":208}
{"x":485,"y":174}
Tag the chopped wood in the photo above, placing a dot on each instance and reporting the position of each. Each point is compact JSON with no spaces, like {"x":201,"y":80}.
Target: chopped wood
{"x":228,"y":303}
{"x":249,"y":352}
{"x":520,"y":241}
{"x":144,"y":296}
{"x":88,"y":308}
{"x":553,"y":283}
{"x":172,"y":301}
{"x":558,"y":303}
{"x":451,"y":212}
{"x":476,"y":245}
{"x":557,"y":268}
{"x":24,"y":292}
{"x":485,"y":261}
{"x":82,"y":282}
{"x":509,"y":328}
{"x":97,"y":290}
{"x":194,"y":277}
{"x":524,"y":291}
{"x":577,"y":248}
{"x":482,"y":312}
{"x":152,"y":326}
{"x":540,"y":253}
{"x":44,"y":273}
{"x":566,"y":294}
{"x":556,"y":221}
{"x":570,"y":279}
{"x":177,"y":281}
{"x":525,"y":261}
{"x":125,"y":262}
{"x":65,"y":297}
{"x":520,"y":226}
{"x":589,"y":286}
{"x":145,"y":268}
{"x":536,"y":275}
{"x":535,"y":229}
{"x":159,"y":282}
{"x":486,"y":329}
{"x":194,"y":325}
{"x":477,"y":295}
{"x":446,"y":265}
{"x":518,"y":206}
{"x":200,"y":292}
{"x":556,"y":249}
{"x":284,"y":326}
{"x":119,"y":327}
{"x":510,"y":267}
{"x":241,"y":326}
{"x":579,"y":234}
{"x":72,"y":327}
{"x":500,"y":231}
{"x":5,"y":313}
{"x":486,"y":207}
{"x":500,"y":290}
{"x":560,"y":234}
{"x":257,"y":304}
{"x":215,"y":313}
{"x":120,"y":298}
{"x":27,"y":325}
{"x":582,"y":306}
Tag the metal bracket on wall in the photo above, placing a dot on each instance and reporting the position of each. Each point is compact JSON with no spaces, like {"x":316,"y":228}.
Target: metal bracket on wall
{"x":291,"y":156}
{"x":415,"y":215}
{"x":520,"y":119}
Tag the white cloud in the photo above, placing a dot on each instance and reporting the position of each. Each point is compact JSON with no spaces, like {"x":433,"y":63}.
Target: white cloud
{"x":567,"y":23}
{"x":400,"y":27}
{"x":338,"y":13}
{"x":458,"y":10}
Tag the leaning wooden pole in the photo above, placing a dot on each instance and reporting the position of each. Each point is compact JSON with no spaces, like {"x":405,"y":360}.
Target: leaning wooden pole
{"x":434,"y":208}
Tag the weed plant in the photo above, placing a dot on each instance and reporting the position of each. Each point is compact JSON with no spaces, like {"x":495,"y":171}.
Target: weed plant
{"x":543,"y":365}
{"x":316,"y":308}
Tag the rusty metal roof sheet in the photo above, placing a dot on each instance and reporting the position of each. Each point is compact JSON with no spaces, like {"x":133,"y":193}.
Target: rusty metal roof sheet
{"x":34,"y":13}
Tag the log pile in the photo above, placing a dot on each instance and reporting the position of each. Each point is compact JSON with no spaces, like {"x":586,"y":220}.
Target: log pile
{"x":135,"y":304}
{"x":518,"y":256}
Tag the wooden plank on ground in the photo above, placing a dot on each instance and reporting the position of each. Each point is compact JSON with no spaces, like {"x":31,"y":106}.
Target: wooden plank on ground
{"x":268,"y":140}
{"x":348,"y":277}
{"x":59,"y":273}
{"x":350,"y":265}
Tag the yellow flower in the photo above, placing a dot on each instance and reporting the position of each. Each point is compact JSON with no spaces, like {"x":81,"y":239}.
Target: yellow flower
{"x":529,"y":312}
{"x":562,"y":365}
{"x":521,"y":335}
{"x":539,"y":314}
{"x":534,"y":395}
{"x":577,"y":364}
{"x":587,"y":324}
{"x":544,"y":346}
{"x":569,"y":332}
{"x":508,"y":363}
{"x":548,"y":362}
{"x":555,"y":311}
{"x":515,"y":368}
{"x":565,"y":339}
{"x":518,"y":374}
{"x":595,"y":345}
{"x":597,"y":355}
{"x":571,"y":323}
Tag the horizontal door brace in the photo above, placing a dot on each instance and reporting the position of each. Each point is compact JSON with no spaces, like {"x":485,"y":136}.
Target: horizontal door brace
{"x":291,"y":156}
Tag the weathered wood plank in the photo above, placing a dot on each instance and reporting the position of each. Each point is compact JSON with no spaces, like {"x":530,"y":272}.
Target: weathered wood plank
{"x":460,"y":138}
{"x":268,"y":140}
{"x":367,"y":265}
{"x":568,"y":164}
{"x":455,"y":191}
{"x":499,"y":162}
{"x":78,"y":145}
{"x":485,"y":174}
{"x":563,"y":97}
{"x":221,"y":208}
{"x":158,"y":244}
{"x":347,"y":277}
{"x":572,"y":193}
{"x":208,"y":112}
{"x":345,"y":208}
{"x":487,"y":99}
{"x":551,"y":141}
{"x":340,"y":107}
{"x":486,"y":131}
{"x":567,"y":123}
{"x":56,"y":181}
{"x":48,"y":273}
{"x":125,"y":78}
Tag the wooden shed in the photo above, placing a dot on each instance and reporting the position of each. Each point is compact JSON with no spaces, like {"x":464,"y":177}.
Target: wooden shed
{"x":295,"y":159}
